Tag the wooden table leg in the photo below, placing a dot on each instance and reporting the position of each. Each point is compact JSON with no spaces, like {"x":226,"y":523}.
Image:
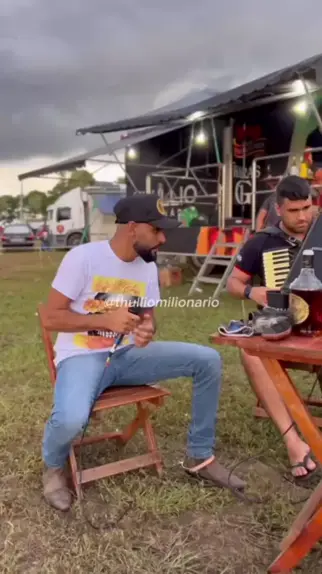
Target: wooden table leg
{"x":309,"y":508}
{"x":291,"y":556}
{"x":295,"y":405}
{"x":306,"y":530}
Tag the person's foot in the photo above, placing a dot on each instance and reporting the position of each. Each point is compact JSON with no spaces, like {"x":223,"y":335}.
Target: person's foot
{"x":212,"y":471}
{"x":302,"y":464}
{"x":56,"y":491}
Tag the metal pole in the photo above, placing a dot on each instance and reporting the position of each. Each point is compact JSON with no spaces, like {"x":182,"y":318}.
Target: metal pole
{"x":195,"y":168}
{"x":223,"y":198}
{"x":312,"y":102}
{"x":254,"y":169}
{"x":125,"y":172}
{"x":21,"y":201}
{"x":148,"y":186}
{"x":120,"y":164}
{"x":188,"y":157}
{"x":228,"y":161}
{"x":148,"y":182}
{"x":163,"y":162}
{"x":196,"y":178}
{"x":190,"y":148}
{"x":244,"y":151}
{"x":214,"y":135}
{"x":104,"y":139}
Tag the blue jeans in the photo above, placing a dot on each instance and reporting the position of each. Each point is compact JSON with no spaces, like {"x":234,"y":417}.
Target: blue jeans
{"x":82,"y":378}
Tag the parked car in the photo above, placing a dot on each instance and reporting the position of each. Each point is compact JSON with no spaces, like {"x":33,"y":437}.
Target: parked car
{"x":17,"y":235}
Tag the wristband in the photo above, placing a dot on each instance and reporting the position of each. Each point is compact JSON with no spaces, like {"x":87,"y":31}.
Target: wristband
{"x":247,"y":291}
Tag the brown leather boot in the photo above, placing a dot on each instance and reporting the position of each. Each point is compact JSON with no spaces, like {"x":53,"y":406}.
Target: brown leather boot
{"x":56,"y":491}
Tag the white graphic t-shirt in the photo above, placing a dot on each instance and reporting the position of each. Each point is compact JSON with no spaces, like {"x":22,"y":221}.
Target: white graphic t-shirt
{"x":95,"y":279}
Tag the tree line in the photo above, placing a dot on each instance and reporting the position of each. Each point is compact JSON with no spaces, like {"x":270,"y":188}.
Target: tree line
{"x":35,"y":203}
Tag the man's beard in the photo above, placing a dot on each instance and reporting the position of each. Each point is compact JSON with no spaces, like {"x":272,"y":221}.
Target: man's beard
{"x":293,"y":231}
{"x":148,"y":255}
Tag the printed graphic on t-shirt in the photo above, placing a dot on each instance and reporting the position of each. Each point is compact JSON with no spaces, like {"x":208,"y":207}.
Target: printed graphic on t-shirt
{"x":110,"y":293}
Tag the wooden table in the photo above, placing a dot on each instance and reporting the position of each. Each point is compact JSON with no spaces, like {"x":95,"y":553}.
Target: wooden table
{"x":306,"y":530}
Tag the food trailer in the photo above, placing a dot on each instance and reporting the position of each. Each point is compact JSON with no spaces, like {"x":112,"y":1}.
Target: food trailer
{"x":214,"y":162}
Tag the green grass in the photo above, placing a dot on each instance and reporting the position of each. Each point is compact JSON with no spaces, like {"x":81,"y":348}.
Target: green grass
{"x":173,"y":526}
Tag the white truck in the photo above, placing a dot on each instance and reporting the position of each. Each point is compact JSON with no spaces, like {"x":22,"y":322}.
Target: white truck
{"x":68,"y":216}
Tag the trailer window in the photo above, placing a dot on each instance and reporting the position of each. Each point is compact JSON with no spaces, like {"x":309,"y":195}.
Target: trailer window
{"x":64,"y":213}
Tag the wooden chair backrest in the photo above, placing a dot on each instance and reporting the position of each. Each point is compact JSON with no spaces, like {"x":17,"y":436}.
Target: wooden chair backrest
{"x":48,"y":344}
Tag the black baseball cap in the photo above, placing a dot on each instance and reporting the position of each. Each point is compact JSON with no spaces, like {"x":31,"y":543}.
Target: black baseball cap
{"x":144,"y":208}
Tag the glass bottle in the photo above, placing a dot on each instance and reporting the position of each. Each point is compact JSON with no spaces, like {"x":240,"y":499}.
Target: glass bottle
{"x":306,"y":298}
{"x":304,"y":168}
{"x":294,"y":169}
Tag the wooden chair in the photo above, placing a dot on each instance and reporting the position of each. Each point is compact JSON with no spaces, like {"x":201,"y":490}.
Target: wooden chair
{"x":142,"y":396}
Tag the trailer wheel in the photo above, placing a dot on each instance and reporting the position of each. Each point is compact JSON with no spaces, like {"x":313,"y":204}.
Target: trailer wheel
{"x":74,"y":239}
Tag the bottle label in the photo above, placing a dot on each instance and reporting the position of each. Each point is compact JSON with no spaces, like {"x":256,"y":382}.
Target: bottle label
{"x":307,"y":261}
{"x":299,"y":308}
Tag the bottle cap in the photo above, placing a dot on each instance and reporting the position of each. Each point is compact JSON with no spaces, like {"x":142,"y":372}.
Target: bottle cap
{"x":308,"y":258}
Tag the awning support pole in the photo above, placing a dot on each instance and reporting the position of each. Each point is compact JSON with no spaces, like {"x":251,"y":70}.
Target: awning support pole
{"x":214,"y":135}
{"x":21,"y":201}
{"x":190,"y":148}
{"x":121,"y":165}
{"x":312,"y":103}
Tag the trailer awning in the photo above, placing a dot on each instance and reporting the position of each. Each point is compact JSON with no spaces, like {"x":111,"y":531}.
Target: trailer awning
{"x":79,"y":161}
{"x":276,"y":83}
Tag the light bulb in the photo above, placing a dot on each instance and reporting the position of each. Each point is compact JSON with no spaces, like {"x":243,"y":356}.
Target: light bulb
{"x":201,"y":138}
{"x":131,"y":153}
{"x":301,"y":107}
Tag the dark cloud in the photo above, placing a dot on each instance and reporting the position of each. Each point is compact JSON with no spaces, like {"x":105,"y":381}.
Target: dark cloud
{"x":70,"y":63}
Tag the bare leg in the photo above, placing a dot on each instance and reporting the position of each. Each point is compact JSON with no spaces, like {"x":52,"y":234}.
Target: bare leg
{"x":268,"y":395}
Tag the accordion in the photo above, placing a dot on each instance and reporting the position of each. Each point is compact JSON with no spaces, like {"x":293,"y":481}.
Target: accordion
{"x":281,"y":266}
{"x":276,"y":265}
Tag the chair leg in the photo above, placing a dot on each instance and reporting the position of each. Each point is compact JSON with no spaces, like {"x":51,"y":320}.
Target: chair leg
{"x":319,"y":378}
{"x":151,"y":438}
{"x":133,"y":427}
{"x":140,"y":421}
{"x":74,"y":473}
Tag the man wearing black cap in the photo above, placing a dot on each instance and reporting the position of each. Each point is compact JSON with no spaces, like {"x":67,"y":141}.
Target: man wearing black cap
{"x":295,"y":209}
{"x":84,"y":307}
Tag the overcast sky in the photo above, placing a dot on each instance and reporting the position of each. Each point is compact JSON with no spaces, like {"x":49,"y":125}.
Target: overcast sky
{"x":66,"y":64}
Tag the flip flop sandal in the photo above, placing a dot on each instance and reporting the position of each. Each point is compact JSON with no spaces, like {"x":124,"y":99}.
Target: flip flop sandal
{"x":213,"y":473}
{"x":220,"y":477}
{"x":304,"y":464}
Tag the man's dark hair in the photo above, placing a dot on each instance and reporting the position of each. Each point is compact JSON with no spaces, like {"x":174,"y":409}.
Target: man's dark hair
{"x":294,"y":188}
